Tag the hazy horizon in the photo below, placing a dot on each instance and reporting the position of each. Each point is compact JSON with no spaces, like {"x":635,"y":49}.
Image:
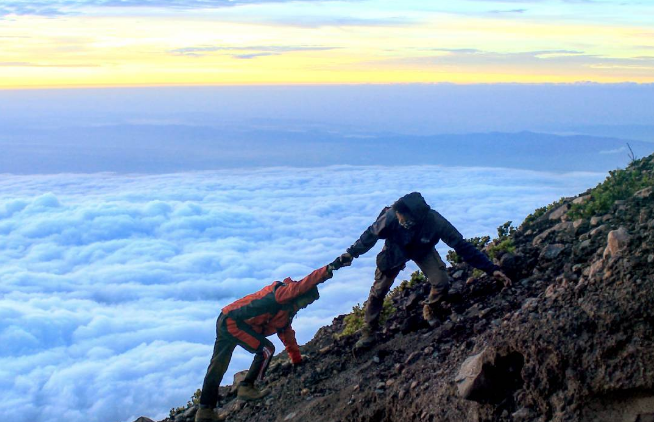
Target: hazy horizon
{"x":580,"y":127}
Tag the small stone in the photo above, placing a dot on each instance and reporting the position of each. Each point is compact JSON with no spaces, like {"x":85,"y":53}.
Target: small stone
{"x":550,"y":291}
{"x":428,"y":350}
{"x":578,"y":224}
{"x":380,"y":385}
{"x":581,"y":200}
{"x":412,"y":358}
{"x":390,"y":382}
{"x":541,"y":237}
{"x":595,"y":221}
{"x":238,"y":377}
{"x":188,"y":413}
{"x":585,"y":245}
{"x":325,"y":349}
{"x":559,"y":212}
{"x":595,"y":268}
{"x":522,"y":413}
{"x":414,"y":384}
{"x":644,"y":193}
{"x":376,"y":359}
{"x":458,"y":274}
{"x":305,"y":392}
{"x":290,"y":416}
{"x":598,"y":230}
{"x":480,"y":326}
{"x":551,"y":252}
{"x":565,"y":226}
{"x":412,"y":301}
{"x":642,"y":217}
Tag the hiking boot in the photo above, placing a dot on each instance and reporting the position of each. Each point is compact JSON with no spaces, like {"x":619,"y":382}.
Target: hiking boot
{"x":428,"y":315}
{"x":367,"y":338}
{"x":250,"y":393}
{"x":207,"y":414}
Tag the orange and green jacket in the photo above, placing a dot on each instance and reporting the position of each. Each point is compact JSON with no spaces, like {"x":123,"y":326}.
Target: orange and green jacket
{"x":271,"y":310}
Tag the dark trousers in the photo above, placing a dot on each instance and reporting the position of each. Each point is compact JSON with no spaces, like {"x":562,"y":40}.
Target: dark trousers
{"x":431,"y":265}
{"x":229,"y":334}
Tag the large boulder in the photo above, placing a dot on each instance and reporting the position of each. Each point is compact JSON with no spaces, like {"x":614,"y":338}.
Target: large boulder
{"x":471,"y":378}
{"x":489,"y":377}
{"x":617,"y":242}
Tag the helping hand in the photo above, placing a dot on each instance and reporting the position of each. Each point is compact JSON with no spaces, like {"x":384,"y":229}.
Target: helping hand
{"x":346,"y":259}
{"x":500,"y":276}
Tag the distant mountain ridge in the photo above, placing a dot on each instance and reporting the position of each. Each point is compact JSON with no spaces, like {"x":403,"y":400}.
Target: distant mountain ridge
{"x":143,"y":148}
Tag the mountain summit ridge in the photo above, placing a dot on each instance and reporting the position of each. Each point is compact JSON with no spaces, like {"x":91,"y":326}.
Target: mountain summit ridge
{"x":571,"y":340}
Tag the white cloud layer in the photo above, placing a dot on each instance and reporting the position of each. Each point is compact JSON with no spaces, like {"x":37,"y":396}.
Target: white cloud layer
{"x":110,"y":285}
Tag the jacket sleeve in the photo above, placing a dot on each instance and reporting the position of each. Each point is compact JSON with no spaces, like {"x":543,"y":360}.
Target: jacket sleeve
{"x":463,"y":248}
{"x":293,"y":289}
{"x":373,"y":233}
{"x":287,"y":336}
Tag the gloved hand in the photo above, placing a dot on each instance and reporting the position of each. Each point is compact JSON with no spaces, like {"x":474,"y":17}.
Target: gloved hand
{"x":339,"y":263}
{"x":346,"y":259}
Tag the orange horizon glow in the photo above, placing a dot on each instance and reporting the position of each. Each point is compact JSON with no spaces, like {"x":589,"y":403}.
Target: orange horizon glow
{"x":227,"y":47}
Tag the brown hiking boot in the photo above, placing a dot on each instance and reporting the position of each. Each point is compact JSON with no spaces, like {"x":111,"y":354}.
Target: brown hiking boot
{"x":367,"y":338}
{"x":206,"y":414}
{"x":250,"y":393}
{"x":428,"y":315}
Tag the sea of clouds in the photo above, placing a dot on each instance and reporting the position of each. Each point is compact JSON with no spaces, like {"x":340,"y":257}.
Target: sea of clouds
{"x":110,"y":284}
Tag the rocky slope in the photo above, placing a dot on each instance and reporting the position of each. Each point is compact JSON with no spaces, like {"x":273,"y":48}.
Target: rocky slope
{"x":571,"y":340}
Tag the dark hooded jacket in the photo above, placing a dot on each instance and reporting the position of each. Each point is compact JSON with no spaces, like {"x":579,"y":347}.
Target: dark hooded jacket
{"x":403,"y":244}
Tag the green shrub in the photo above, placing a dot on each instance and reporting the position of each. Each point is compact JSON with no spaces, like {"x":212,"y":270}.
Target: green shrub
{"x":505,"y":245}
{"x":539,"y":212}
{"x":416,"y":277}
{"x":502,"y":243}
{"x":505,"y":230}
{"x":355,"y":320}
{"x":477,"y":273}
{"x":619,"y":185}
{"x":194,"y":401}
{"x":477,"y":242}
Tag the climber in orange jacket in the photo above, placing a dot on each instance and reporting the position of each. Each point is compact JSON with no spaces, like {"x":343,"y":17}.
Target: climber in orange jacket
{"x":247,"y":322}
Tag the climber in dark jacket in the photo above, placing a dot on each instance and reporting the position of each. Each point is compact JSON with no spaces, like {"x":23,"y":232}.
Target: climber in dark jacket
{"x":411,"y":229}
{"x":247,"y":322}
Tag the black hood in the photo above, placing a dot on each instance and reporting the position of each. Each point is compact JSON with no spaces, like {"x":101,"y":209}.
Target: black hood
{"x":413,"y":204}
